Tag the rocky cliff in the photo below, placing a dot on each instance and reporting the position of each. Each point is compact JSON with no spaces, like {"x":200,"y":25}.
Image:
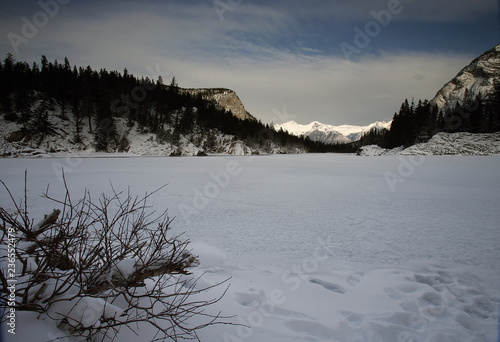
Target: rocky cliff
{"x":477,"y":78}
{"x":223,"y":98}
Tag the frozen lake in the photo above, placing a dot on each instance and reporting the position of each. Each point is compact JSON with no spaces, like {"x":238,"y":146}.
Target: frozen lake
{"x":320,"y":247}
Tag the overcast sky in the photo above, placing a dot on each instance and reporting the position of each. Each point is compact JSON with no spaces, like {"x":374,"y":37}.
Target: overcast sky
{"x":338,"y":62}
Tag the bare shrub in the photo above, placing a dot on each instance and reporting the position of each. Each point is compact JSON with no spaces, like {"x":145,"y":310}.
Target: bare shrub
{"x":95,"y":266}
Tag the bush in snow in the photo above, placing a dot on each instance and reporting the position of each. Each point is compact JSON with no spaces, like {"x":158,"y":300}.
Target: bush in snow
{"x":96,"y":266}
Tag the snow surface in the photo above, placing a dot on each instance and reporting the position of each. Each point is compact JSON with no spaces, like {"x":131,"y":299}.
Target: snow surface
{"x":318,"y":247}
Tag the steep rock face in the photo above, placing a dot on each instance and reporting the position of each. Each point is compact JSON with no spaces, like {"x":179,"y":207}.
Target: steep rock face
{"x":476,"y":78}
{"x":224,"y":98}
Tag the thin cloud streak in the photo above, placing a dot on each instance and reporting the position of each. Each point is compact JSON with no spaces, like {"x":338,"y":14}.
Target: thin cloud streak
{"x":436,"y":11}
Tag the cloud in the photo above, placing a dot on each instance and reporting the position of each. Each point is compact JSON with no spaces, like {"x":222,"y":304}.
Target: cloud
{"x":262,"y":51}
{"x":359,"y":10}
{"x":116,"y":32}
{"x":327,"y":89}
{"x":443,"y":11}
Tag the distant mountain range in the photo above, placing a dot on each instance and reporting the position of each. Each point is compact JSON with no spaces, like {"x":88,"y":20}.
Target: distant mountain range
{"x":330,"y":134}
{"x":470,"y":102}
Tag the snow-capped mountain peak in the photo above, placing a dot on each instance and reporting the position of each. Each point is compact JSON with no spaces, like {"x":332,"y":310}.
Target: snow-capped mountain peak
{"x":299,"y":129}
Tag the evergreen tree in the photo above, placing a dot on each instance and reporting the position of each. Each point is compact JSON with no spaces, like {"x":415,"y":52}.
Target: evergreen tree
{"x":87,"y":110}
{"x":90,"y":94}
{"x":477,"y":115}
{"x":186,"y":123}
{"x":492,"y":108}
{"x":78,"y":120}
{"x":173,"y":84}
{"x":105,"y":136}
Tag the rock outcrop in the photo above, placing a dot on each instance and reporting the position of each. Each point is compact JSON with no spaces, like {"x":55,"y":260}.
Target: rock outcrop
{"x":223,"y":98}
{"x":475,"y":79}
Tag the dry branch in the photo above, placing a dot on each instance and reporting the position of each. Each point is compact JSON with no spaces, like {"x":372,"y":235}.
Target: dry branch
{"x":95,"y":266}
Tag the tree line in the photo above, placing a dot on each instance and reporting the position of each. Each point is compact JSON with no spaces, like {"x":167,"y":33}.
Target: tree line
{"x":97,"y":99}
{"x":418,"y":122}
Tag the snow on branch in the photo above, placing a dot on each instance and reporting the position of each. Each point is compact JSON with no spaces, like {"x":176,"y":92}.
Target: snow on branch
{"x":97,"y":265}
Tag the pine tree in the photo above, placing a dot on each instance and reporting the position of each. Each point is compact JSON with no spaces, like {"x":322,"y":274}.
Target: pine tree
{"x":105,"y":136}
{"x":91,"y":93}
{"x":477,"y":115}
{"x":78,"y":120}
{"x":186,"y":123}
{"x":173,"y":84}
{"x":493,"y":108}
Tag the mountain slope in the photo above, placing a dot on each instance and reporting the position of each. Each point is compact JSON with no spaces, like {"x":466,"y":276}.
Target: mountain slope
{"x":477,"y":78}
{"x":330,"y":134}
{"x":16,"y":141}
{"x":469,"y":102}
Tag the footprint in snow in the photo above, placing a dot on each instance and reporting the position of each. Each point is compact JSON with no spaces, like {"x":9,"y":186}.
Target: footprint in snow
{"x":433,"y":304}
{"x":434,"y":280}
{"x":329,"y":286}
{"x":249,"y":299}
{"x":354,"y":279}
{"x":481,"y":308}
{"x":352,"y":318}
{"x":405,"y":303}
{"x":313,"y":330}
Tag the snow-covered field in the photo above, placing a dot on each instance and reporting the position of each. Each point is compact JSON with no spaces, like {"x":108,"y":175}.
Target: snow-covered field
{"x":318,"y":247}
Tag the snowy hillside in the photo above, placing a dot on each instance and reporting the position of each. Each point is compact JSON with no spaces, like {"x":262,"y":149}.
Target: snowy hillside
{"x":331,"y":134}
{"x":467,"y":144}
{"x":60,"y":108}
{"x":132,"y":141}
{"x":476,"y":78}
